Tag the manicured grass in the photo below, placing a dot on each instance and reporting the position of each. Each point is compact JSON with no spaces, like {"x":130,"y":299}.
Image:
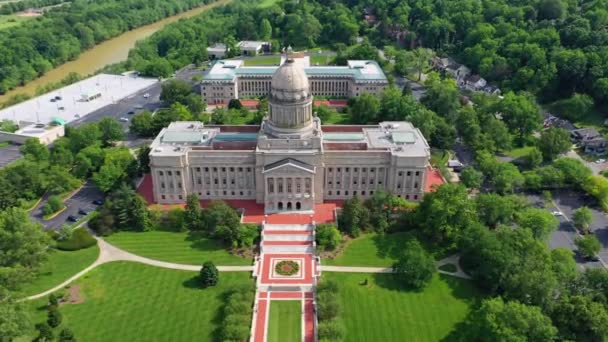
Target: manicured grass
{"x":519,"y":152}
{"x":285,"y":321}
{"x":381,"y":311}
{"x":183,"y":248}
{"x":263,"y":60}
{"x":126,"y":301}
{"x":5,"y":144}
{"x":60,"y":266}
{"x":337,"y":118}
{"x":321,"y":60}
{"x":267,"y":3}
{"x":370,"y":250}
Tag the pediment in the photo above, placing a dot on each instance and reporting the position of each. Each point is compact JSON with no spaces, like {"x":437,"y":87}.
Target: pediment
{"x":289,"y":164}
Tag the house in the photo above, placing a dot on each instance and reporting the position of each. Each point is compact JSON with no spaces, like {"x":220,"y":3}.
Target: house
{"x":455,"y":165}
{"x":492,"y":90}
{"x":591,"y":141}
{"x":252,"y":48}
{"x":217,"y":51}
{"x":459,"y":72}
{"x":441,"y":64}
{"x":474,"y":82}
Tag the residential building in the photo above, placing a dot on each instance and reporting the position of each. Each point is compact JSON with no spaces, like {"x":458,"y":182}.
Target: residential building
{"x":253,"y":48}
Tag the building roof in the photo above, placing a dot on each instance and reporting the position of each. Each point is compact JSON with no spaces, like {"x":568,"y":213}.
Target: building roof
{"x":360,"y":70}
{"x":288,"y":161}
{"x":250,"y":45}
{"x":217,"y":47}
{"x":67,"y":103}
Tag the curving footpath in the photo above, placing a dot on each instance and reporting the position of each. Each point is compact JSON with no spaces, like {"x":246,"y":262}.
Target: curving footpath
{"x":109,"y":253}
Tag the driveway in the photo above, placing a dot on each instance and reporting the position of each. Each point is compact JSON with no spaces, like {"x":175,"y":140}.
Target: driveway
{"x":83,"y":199}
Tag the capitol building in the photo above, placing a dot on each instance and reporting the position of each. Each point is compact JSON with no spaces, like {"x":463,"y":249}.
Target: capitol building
{"x":291,"y":161}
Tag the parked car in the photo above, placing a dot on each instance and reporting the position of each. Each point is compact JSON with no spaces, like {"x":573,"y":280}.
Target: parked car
{"x":58,"y":97}
{"x":98,"y":202}
{"x":131,"y":112}
{"x":53,"y":99}
{"x":146,"y":95}
{"x":124,"y":119}
{"x":599,"y":161}
{"x":557,"y":213}
{"x":72,"y":218}
{"x":83,"y":211}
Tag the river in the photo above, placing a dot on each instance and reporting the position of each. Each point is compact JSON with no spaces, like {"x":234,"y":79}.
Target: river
{"x":108,"y":52}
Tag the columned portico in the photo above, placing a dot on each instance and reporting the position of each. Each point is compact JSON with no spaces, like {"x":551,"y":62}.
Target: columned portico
{"x":288,"y":186}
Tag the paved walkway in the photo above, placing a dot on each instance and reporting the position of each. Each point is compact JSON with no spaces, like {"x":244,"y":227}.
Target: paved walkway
{"x":454,"y":259}
{"x":109,"y":253}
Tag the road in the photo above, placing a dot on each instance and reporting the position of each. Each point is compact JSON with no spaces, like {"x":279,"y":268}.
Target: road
{"x":9,"y":154}
{"x":83,"y":199}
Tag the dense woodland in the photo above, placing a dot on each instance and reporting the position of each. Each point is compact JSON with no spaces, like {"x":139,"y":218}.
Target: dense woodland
{"x":34,"y":47}
{"x":18,"y":6}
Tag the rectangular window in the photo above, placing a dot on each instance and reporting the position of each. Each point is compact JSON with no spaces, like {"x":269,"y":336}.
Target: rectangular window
{"x":331,"y":169}
{"x":347,"y":169}
{"x":162,"y":196}
{"x":416,"y":185}
{"x":224,"y":181}
{"x":240,"y":169}
{"x":200,"y":181}
{"x":223,"y":169}
{"x":206,"y":169}
{"x":215,"y":169}
{"x":417,"y":173}
{"x":298,"y":185}
{"x":198,"y":169}
{"x":356,"y":169}
{"x":160,"y":173}
{"x":248,"y":169}
{"x":289,"y":185}
{"x":231,"y":169}
{"x":179,"y":185}
{"x":177,"y":173}
{"x":409,"y":173}
{"x":307,"y":185}
{"x":169,"y":173}
{"x":280,"y":185}
{"x":162,"y":185}
{"x":398,"y":185}
{"x":215,"y":181}
{"x":180,"y":197}
{"x":400,"y":173}
{"x":270,"y":185}
{"x":363,"y":169}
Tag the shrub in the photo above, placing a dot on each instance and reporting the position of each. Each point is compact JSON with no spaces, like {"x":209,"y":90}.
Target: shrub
{"x":65,"y":232}
{"x":331,"y":330}
{"x":247,"y":234}
{"x":53,"y":205}
{"x":80,"y":239}
{"x":176,"y":219}
{"x":53,"y":301}
{"x":588,"y":246}
{"x":328,"y":236}
{"x":66,"y":335}
{"x":54,"y":317}
{"x":327,"y":306}
{"x":209,"y":274}
{"x":45,"y":333}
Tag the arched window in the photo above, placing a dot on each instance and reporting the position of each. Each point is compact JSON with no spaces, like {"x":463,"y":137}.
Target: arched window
{"x":280,"y":205}
{"x":298,"y":206}
{"x":289,"y":206}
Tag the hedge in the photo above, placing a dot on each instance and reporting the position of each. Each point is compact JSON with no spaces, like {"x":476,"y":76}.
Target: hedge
{"x":81,"y":238}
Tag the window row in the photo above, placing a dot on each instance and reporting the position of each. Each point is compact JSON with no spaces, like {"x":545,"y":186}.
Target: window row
{"x":288,"y":185}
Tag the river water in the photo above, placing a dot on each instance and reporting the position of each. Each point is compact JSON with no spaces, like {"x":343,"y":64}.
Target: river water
{"x":109,"y":52}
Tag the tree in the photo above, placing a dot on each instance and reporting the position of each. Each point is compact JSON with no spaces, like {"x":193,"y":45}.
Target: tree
{"x":353,"y":218}
{"x":54,"y":317}
{"x":539,"y":221}
{"x":494,"y":209}
{"x":117,"y":167}
{"x":143,"y":124}
{"x":24,"y":247}
{"x":234,"y":104}
{"x":579,"y":318}
{"x":209,"y":274}
{"x":265,"y":29}
{"x":572,"y":108}
{"x":364,"y":108}
{"x":582,"y":219}
{"x":553,"y":142}
{"x":32,"y":148}
{"x":418,"y":60}
{"x":551,"y":9}
{"x":14,"y":321}
{"x":143,"y":159}
{"x":415,"y":267}
{"x":45,"y":333}
{"x":193,"y":213}
{"x":158,"y":67}
{"x":497,"y":320}
{"x":66,"y":335}
{"x":471,"y":178}
{"x":327,"y":236}
{"x":111,"y":130}
{"x":60,"y":180}
{"x":53,"y":205}
{"x":534,"y":158}
{"x":588,"y":246}
{"x":441,"y":96}
{"x":520,"y":113}
{"x":175,"y":90}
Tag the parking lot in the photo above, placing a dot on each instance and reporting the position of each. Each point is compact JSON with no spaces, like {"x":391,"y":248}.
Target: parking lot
{"x":83,"y":199}
{"x":9,"y":154}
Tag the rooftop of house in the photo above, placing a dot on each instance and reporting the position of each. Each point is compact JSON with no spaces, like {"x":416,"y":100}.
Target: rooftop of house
{"x":251,"y":44}
{"x":360,"y":70}
{"x":585,"y":133}
{"x":217,"y":47}
{"x":399,"y":138}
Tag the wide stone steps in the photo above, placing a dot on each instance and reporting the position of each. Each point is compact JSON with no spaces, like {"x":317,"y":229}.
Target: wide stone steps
{"x":288,"y":237}
{"x":271,"y":227}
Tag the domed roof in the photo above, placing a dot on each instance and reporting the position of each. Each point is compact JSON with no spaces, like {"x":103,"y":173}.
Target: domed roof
{"x":289,"y":81}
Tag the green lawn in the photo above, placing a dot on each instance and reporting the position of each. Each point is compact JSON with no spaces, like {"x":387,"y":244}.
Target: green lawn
{"x":267,"y":3}
{"x":60,"y":266}
{"x":337,"y":118}
{"x":519,"y":152}
{"x":5,"y":144}
{"x":321,"y":60}
{"x":126,"y":301}
{"x":263,"y":60}
{"x":381,"y":311}
{"x":285,"y":321}
{"x":370,"y":250}
{"x":181,"y":248}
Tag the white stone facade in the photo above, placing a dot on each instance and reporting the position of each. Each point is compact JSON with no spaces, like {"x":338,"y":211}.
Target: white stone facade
{"x":290,"y":162}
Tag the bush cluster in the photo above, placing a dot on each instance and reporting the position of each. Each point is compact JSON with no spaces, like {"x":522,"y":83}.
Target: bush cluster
{"x":53,"y":205}
{"x":80,"y":239}
{"x":330,"y":327}
{"x":237,"y":314}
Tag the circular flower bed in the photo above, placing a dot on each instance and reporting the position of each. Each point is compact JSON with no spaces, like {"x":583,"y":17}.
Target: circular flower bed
{"x":287,"y":267}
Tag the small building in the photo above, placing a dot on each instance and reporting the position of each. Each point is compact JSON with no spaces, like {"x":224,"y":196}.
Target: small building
{"x":217,"y":51}
{"x":44,"y":133}
{"x":458,"y":71}
{"x":590,"y":140}
{"x":595,"y":146}
{"x":252,"y":48}
{"x":584,"y":134}
{"x":455,"y":165}
{"x":474,"y":82}
{"x":492,"y":90}
{"x":441,"y":64}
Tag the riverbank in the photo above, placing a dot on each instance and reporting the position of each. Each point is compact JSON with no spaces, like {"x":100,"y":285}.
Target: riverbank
{"x":109,"y":52}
